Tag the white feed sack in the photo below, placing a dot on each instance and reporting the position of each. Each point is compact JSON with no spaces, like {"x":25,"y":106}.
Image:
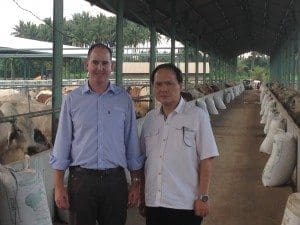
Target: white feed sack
{"x":232,"y":94}
{"x":211,"y":106}
{"x":23,"y":198}
{"x":236,"y":91}
{"x":277,"y":125}
{"x":292,"y":210}
{"x":266,"y":99}
{"x":280,"y":166}
{"x":261,"y":96}
{"x":269,"y":106}
{"x":201,"y":104}
{"x":263,"y":93}
{"x":242,"y":88}
{"x":218,"y":101}
{"x":271,"y":114}
{"x":227,"y":96}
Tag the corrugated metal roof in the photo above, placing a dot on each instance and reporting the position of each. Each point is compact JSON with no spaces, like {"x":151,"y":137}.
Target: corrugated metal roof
{"x":225,"y":27}
{"x":11,"y":46}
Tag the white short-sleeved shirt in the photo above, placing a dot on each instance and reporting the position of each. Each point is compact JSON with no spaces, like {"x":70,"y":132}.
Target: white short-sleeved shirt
{"x":174,"y":148}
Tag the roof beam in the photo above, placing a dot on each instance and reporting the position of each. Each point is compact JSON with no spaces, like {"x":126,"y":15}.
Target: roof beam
{"x":227,"y":21}
{"x":283,"y":23}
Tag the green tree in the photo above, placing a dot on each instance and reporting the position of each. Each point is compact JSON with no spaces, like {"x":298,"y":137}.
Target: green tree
{"x":256,"y":66}
{"x":26,"y":30}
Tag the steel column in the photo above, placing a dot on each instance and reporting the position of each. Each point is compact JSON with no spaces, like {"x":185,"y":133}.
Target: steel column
{"x":57,"y":62}
{"x":119,"y":44}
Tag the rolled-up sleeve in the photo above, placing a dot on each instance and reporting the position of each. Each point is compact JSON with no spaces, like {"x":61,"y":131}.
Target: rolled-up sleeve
{"x":206,"y":144}
{"x":60,"y":156}
{"x":135,"y":158}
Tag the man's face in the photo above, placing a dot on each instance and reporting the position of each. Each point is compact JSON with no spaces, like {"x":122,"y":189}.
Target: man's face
{"x":99,"y":66}
{"x":166,"y":87}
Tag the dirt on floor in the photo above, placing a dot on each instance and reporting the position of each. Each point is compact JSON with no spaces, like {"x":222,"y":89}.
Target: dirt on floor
{"x":238,"y":196}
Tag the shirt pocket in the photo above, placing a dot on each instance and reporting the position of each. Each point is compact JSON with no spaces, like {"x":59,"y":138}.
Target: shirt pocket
{"x":187,"y":136}
{"x":151,"y":141}
{"x":114,"y":118}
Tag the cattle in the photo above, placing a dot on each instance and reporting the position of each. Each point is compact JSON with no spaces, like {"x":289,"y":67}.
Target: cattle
{"x":19,"y":137}
{"x":43,"y":95}
{"x":140,"y":96}
{"x":204,"y":88}
{"x":194,"y":93}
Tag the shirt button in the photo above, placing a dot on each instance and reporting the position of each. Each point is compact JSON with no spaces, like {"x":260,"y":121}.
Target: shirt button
{"x":164,"y":139}
{"x":159,"y":173}
{"x":160,"y":156}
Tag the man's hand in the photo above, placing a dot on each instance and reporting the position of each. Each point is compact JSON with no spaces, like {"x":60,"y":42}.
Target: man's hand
{"x":61,"y":198}
{"x":201,"y":208}
{"x":142,"y":209}
{"x":134,"y":194}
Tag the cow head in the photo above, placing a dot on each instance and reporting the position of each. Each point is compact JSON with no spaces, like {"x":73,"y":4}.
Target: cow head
{"x":18,"y":138}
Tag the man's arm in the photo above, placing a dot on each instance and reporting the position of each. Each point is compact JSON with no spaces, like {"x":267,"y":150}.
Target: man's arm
{"x":201,"y":208}
{"x":135,"y":188}
{"x":61,"y":194}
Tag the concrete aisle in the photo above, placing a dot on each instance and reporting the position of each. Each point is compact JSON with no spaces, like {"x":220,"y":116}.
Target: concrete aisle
{"x":237,"y":194}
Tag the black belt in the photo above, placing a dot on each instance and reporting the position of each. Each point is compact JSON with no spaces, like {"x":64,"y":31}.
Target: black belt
{"x":111,"y":171}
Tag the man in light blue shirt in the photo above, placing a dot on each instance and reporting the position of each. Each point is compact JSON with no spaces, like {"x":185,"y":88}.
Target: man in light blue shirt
{"x":96,"y":139}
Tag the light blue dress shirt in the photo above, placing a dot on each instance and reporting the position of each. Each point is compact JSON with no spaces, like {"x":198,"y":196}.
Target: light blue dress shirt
{"x":97,"y":131}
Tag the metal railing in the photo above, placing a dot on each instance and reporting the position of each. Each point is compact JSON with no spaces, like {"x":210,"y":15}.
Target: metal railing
{"x":65,"y":82}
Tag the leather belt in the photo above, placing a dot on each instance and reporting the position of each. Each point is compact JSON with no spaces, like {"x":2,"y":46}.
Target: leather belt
{"x":106,"y":172}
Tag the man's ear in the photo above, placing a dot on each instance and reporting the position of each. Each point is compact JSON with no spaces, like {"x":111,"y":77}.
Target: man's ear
{"x":113,"y":65}
{"x":86,"y":64}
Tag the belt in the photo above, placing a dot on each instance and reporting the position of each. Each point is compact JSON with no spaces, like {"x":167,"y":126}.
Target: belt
{"x":106,"y":172}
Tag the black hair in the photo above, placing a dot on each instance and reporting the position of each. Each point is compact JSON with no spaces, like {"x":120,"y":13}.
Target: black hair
{"x":168,"y":66}
{"x":99,"y":45}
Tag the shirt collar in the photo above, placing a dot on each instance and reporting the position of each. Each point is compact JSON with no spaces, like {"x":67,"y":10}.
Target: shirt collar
{"x":86,"y":88}
{"x":178,"y":109}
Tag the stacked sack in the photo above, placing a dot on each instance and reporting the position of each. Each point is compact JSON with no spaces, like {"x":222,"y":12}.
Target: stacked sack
{"x":281,"y":145}
{"x":23,"y":197}
{"x":292,"y":210}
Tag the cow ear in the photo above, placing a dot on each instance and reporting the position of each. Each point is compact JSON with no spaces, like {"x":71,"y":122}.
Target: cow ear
{"x":40,"y":138}
{"x":12,"y":136}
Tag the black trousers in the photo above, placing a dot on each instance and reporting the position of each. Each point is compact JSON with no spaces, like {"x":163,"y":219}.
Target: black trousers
{"x":97,"y":196}
{"x":167,"y":216}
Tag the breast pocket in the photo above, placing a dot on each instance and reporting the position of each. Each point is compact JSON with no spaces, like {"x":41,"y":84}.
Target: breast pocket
{"x":114,"y":118}
{"x":151,"y":141}
{"x":188,"y":137}
{"x":183,"y":137}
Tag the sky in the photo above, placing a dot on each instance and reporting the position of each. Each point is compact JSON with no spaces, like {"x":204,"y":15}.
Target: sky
{"x":11,"y":14}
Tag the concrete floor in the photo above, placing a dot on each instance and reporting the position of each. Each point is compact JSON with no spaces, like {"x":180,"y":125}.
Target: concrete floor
{"x":237,"y":194}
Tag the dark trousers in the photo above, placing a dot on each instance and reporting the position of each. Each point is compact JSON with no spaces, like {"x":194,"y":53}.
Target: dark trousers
{"x":97,"y":195}
{"x":166,"y":216}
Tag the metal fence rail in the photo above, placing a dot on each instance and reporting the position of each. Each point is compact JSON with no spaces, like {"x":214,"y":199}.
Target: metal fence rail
{"x":65,"y":82}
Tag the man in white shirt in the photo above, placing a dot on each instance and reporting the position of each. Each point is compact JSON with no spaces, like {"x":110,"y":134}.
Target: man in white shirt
{"x":179,"y":145}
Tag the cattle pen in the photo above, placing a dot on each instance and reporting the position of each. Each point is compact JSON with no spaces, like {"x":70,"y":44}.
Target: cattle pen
{"x":256,"y":178}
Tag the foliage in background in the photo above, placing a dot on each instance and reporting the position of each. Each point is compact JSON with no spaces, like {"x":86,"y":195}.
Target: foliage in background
{"x":84,"y":30}
{"x":255,"y":67}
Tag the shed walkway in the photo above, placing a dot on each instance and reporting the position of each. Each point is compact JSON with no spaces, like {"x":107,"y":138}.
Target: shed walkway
{"x":238,"y":196}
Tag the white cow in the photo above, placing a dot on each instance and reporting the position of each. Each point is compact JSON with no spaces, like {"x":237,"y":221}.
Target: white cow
{"x":19,"y":137}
